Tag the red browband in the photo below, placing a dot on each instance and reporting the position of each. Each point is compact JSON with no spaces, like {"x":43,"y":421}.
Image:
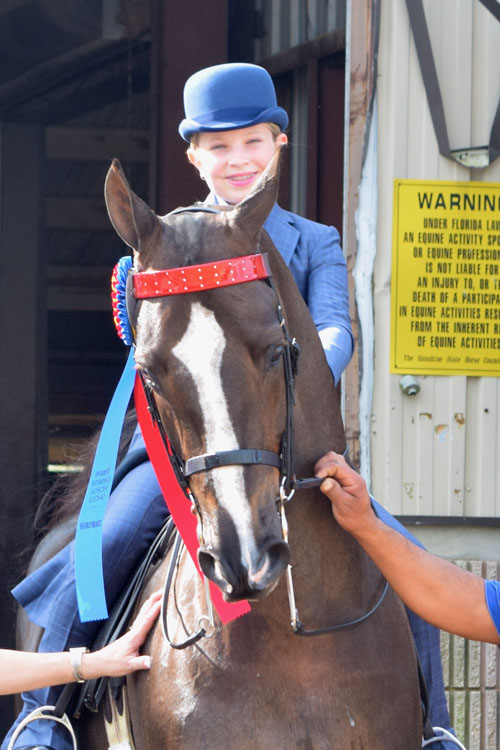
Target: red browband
{"x":199,"y":278}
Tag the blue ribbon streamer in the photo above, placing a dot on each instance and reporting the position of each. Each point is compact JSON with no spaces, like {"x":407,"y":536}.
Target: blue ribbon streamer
{"x":88,"y":551}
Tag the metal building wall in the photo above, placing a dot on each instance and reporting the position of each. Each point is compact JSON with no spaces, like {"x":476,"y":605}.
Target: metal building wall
{"x":293,"y":22}
{"x":436,"y":453}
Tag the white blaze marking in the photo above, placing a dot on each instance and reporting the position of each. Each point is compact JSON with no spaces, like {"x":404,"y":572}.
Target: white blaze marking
{"x":200,"y":350}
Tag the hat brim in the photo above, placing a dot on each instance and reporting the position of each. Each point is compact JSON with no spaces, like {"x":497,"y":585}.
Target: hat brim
{"x":277,"y":115}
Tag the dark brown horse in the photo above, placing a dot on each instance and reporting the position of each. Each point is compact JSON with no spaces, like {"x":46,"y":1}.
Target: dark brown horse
{"x":215,"y":360}
{"x":219,"y":364}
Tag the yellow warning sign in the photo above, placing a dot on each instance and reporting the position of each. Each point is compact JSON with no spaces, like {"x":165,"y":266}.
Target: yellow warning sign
{"x":445,"y":289}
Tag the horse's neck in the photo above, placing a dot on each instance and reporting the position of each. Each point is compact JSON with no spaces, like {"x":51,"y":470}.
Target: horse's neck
{"x":325,"y":558}
{"x":318,"y":423}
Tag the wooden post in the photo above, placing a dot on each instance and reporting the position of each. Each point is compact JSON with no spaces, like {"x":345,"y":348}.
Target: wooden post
{"x":23,"y":415}
{"x":361,"y":81}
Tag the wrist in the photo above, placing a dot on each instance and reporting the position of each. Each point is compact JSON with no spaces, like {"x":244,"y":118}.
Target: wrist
{"x":91,"y":665}
{"x":369,"y":531}
{"x":76,"y":657}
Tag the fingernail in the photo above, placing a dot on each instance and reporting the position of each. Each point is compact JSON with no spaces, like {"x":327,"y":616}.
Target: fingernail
{"x":147,"y":662}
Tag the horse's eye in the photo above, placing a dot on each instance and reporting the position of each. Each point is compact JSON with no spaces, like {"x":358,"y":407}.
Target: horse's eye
{"x":277,"y":354}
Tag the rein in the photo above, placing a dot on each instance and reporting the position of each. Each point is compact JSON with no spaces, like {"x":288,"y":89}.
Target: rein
{"x":196,"y":278}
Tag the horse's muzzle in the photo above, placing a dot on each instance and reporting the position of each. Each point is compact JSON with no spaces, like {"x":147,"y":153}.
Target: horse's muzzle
{"x":238,"y":581}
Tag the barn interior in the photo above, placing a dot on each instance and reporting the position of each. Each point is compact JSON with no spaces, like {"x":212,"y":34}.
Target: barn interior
{"x":81,"y":83}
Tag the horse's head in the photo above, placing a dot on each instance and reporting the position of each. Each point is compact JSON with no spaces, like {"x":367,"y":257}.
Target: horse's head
{"x":214,"y":361}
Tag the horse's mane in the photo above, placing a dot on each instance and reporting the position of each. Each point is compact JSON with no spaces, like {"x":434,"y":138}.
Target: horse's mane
{"x":65,"y":496}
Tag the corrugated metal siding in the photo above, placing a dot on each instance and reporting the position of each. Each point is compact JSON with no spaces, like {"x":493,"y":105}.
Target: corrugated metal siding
{"x":436,"y":453}
{"x":288,"y":23}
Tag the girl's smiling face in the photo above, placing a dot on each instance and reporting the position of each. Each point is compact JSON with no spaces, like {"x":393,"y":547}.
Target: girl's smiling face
{"x":231,"y":161}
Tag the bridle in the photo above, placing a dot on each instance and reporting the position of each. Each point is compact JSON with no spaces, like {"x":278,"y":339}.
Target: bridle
{"x":202,"y":277}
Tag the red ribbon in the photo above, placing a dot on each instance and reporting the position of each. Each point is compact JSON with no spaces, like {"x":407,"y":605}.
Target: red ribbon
{"x":177,"y":502}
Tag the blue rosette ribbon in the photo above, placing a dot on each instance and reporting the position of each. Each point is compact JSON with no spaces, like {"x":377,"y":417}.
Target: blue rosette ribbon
{"x":90,"y":591}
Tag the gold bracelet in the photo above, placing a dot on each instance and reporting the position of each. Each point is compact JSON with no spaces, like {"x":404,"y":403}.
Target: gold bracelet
{"x":75,"y":655}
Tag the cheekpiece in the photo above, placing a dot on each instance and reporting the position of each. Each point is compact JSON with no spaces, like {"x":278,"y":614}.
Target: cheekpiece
{"x":119,"y":299}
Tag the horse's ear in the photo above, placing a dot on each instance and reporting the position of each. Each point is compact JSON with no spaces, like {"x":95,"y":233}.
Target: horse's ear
{"x":133,"y":220}
{"x":253,"y":211}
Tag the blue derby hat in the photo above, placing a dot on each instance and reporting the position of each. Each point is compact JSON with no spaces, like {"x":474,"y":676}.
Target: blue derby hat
{"x":227,"y":97}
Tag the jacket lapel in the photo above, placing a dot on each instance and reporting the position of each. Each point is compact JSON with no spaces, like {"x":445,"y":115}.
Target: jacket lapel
{"x":280,"y":227}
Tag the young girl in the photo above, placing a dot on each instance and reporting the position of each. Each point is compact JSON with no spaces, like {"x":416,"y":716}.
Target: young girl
{"x":233,"y":126}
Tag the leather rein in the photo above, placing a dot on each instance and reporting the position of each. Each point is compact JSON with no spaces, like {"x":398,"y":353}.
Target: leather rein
{"x":196,"y":278}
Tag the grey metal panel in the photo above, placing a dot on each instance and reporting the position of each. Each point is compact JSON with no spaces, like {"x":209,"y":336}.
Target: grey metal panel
{"x":288,"y":23}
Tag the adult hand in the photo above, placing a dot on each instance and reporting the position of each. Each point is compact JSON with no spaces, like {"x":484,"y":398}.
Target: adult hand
{"x":122,"y":656}
{"x":347,"y":492}
{"x":429,"y":585}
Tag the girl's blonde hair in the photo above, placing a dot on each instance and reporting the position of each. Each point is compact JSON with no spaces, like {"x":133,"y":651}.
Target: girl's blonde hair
{"x":275,"y":130}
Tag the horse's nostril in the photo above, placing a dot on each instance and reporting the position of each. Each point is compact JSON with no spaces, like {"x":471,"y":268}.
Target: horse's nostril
{"x":207,"y":563}
{"x":279,"y":553}
{"x":238,"y":582}
{"x":214,"y":571}
{"x":272,"y":565}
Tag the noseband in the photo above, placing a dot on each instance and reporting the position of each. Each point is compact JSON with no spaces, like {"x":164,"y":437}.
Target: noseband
{"x":202,"y":277}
